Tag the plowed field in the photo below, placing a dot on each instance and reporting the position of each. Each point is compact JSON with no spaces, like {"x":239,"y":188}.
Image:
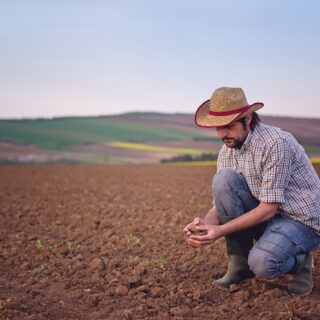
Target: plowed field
{"x":106,"y":242}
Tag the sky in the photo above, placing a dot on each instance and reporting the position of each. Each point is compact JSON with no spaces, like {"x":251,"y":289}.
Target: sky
{"x":101,"y":57}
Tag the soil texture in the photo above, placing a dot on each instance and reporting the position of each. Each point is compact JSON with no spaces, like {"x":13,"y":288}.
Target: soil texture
{"x":106,"y":242}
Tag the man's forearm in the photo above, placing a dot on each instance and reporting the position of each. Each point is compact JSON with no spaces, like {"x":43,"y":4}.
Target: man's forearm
{"x":211,"y":217}
{"x":263,"y":212}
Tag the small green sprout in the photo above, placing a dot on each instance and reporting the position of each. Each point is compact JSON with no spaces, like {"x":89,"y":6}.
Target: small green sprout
{"x":69,"y":245}
{"x":50,"y":247}
{"x":13,"y":250}
{"x":202,"y":206}
{"x":40,"y":270}
{"x":132,"y":240}
{"x":39,"y":245}
{"x":161,"y":261}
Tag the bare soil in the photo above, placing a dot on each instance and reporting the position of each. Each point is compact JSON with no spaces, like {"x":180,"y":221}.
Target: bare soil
{"x":106,"y":242}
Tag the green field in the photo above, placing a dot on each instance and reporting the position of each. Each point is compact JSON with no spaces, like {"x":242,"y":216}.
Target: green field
{"x":128,"y":138}
{"x":153,"y":148}
{"x":57,"y":134}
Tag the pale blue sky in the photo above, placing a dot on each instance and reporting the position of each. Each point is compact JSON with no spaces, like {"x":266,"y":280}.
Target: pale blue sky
{"x":68,"y":57}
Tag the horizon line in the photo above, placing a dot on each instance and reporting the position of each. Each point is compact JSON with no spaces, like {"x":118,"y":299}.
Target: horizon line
{"x":132,"y":113}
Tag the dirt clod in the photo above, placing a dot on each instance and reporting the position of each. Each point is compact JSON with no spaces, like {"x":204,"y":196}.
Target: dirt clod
{"x":97,"y":264}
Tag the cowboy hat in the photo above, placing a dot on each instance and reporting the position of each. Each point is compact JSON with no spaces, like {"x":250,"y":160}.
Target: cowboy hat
{"x":225,"y":106}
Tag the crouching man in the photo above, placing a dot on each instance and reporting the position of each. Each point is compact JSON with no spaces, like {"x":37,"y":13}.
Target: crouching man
{"x":266,"y":196}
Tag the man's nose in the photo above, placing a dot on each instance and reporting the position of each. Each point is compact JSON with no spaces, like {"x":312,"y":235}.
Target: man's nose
{"x":221,"y":132}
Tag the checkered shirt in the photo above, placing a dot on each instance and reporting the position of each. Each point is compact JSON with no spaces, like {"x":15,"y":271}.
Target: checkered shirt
{"x":277,"y":169}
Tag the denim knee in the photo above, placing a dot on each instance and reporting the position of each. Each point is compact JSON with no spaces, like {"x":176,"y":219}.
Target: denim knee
{"x":223,"y":181}
{"x":231,"y":193}
{"x":262,"y":263}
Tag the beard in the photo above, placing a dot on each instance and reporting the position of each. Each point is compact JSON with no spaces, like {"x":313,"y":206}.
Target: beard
{"x":233,"y":143}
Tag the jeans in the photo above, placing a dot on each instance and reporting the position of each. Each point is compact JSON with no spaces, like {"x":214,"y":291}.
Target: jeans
{"x":281,"y":238}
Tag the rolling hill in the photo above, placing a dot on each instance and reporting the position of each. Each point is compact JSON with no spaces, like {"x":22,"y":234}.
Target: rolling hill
{"x":126,"y":138}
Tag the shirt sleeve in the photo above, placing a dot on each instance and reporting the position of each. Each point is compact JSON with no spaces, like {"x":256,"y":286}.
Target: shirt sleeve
{"x":219,"y":162}
{"x":222,"y":161}
{"x":277,"y":166}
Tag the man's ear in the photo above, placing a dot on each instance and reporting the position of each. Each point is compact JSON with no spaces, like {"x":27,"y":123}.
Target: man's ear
{"x":248,"y":119}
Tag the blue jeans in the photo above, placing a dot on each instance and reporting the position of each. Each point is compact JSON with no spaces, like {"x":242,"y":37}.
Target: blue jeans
{"x":280,"y":240}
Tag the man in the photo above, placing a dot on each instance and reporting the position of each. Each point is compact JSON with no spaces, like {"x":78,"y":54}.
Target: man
{"x":265,"y":190}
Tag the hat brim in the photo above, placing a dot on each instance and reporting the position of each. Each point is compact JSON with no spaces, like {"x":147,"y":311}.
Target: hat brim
{"x":203,"y":119}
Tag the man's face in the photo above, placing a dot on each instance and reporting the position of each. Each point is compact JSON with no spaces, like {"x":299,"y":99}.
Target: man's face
{"x":234,"y":134}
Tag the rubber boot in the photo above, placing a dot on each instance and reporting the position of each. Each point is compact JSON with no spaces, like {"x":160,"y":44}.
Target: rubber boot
{"x":238,"y":246}
{"x":301,"y":282}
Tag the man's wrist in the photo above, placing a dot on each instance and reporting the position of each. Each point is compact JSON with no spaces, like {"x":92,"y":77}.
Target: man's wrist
{"x":223,"y":230}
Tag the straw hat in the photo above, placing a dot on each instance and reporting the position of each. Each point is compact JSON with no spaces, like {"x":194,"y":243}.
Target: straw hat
{"x":225,"y":106}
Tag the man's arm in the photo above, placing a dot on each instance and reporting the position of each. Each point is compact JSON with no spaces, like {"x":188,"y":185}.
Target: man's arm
{"x":211,"y":217}
{"x":264,"y":211}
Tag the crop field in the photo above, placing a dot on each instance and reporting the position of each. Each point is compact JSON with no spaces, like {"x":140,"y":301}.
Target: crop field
{"x":87,"y":140}
{"x":64,"y":132}
{"x":106,"y":242}
{"x":155,"y":148}
{"x":129,"y":138}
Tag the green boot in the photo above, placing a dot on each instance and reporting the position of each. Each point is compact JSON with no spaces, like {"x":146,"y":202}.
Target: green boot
{"x":238,"y":246}
{"x":301,"y":282}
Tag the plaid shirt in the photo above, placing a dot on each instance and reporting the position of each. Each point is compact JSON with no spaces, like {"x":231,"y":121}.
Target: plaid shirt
{"x":277,"y":169}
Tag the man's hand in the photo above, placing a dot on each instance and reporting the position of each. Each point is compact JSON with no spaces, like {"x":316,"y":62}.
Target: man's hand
{"x":213,"y":233}
{"x":197,"y":221}
{"x":207,"y":225}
